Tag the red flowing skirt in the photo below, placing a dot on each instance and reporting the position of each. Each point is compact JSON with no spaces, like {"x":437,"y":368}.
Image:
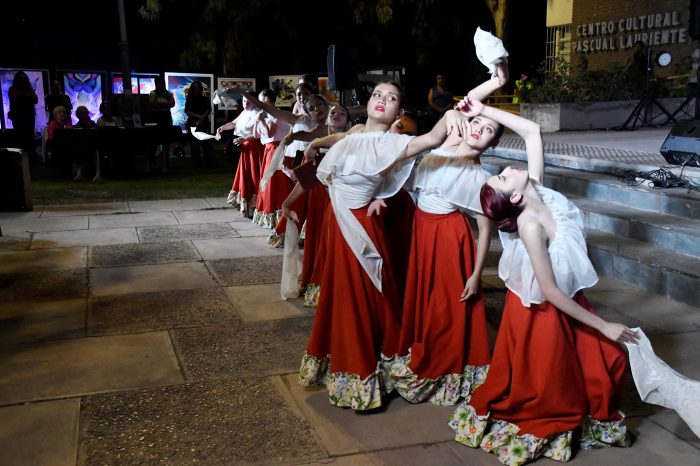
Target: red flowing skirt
{"x":247,"y":179}
{"x":549,"y":371}
{"x":443,"y":334}
{"x":398,"y":225}
{"x":354,"y":322}
{"x":316,"y":205}
{"x":278,"y":186}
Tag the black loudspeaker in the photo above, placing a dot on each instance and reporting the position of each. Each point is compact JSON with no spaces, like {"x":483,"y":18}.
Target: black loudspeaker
{"x":694,"y":21}
{"x":682,"y":145}
{"x":342,"y":67}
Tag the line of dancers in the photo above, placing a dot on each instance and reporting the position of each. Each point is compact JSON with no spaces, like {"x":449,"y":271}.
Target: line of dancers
{"x":397,"y":279}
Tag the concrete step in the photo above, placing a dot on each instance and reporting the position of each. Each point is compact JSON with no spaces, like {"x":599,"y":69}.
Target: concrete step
{"x":677,"y":234}
{"x":646,"y":266}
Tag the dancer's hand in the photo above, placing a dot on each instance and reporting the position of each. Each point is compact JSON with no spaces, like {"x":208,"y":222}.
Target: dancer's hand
{"x":290,"y":214}
{"x":456,"y":122}
{"x":375,"y":207}
{"x":471,"y":287}
{"x":470,"y":107}
{"x":619,"y":333}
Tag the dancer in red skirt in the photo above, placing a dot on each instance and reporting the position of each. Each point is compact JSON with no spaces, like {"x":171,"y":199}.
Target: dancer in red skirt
{"x":556,"y":365}
{"x":357,"y":318}
{"x":271,"y":130}
{"x":304,"y":129}
{"x":244,"y":191}
{"x":444,"y":344}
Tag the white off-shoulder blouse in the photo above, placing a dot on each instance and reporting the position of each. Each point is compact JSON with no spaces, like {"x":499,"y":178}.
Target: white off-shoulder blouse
{"x":568,"y":254}
{"x":446,"y":182}
{"x":353,"y":171}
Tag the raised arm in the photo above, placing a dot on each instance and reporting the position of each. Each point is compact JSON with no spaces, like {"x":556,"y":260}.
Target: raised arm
{"x":526,"y":129}
{"x":534,"y":238}
{"x":488,"y":87}
{"x":284,"y":115}
{"x":450,"y":120}
{"x":325,"y":142}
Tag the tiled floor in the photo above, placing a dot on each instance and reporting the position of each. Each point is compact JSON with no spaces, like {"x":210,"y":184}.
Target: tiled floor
{"x":158,"y":336}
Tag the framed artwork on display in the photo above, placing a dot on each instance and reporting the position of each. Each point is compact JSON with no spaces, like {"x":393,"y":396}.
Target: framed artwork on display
{"x":284,"y":86}
{"x":323,"y":89}
{"x":84,"y":88}
{"x":37,"y":79}
{"x":179,"y":85}
{"x":229,"y":101}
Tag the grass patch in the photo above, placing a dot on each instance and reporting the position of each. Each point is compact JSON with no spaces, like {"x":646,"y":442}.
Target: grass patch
{"x":182,"y":181}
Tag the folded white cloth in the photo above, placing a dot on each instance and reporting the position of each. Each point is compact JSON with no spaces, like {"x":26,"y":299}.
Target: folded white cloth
{"x":203,"y":136}
{"x":659,"y":384}
{"x":291,"y":262}
{"x":489,"y":49}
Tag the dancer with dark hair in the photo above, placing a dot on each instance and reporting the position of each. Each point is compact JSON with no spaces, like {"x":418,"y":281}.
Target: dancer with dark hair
{"x":356,"y":328}
{"x":556,"y":366}
{"x":444,"y":344}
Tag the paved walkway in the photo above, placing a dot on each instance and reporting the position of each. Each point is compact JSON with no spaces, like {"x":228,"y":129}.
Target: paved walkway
{"x":153,"y":333}
{"x":147,"y":333}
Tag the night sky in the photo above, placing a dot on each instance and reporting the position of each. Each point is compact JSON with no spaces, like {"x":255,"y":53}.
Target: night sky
{"x":84,"y":35}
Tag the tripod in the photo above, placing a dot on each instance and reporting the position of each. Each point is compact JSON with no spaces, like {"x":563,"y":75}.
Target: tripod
{"x":695,"y":94}
{"x":643,"y":113}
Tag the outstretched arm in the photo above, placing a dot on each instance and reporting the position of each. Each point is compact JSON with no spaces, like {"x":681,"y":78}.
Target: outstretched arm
{"x":488,"y":87}
{"x":534,"y":238}
{"x":526,"y":129}
{"x":325,"y":142}
{"x":289,"y":117}
{"x":450,"y":121}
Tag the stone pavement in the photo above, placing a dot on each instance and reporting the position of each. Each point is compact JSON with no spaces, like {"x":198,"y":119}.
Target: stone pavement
{"x":145,"y":333}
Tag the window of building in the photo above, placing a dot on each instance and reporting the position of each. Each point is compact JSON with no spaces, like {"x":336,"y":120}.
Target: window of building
{"x":558,"y":46}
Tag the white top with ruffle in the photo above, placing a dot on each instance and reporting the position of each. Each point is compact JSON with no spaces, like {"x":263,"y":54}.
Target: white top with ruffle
{"x":352,"y":170}
{"x":451,"y":186}
{"x":245,"y":124}
{"x":303,"y":123}
{"x":568,"y":254}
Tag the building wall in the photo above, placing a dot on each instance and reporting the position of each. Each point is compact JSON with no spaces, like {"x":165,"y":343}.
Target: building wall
{"x":604,"y":31}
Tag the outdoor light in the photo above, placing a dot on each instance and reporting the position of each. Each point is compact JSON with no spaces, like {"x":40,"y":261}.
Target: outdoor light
{"x":663,"y":58}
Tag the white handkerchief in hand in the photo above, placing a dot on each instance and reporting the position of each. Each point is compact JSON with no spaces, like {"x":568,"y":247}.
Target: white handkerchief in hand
{"x":489,"y":49}
{"x":659,"y":384}
{"x":203,"y":136}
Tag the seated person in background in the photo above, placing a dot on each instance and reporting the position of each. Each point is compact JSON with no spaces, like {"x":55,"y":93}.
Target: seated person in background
{"x":83,"y":115}
{"x":107,"y":118}
{"x":83,"y":152}
{"x":60,"y":120}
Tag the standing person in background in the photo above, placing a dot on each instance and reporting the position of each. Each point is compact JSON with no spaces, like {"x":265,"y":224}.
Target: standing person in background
{"x":22,"y":113}
{"x":161,"y":101}
{"x":57,"y":97}
{"x":522,"y":87}
{"x":440,"y":99}
{"x":198,"y":110}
